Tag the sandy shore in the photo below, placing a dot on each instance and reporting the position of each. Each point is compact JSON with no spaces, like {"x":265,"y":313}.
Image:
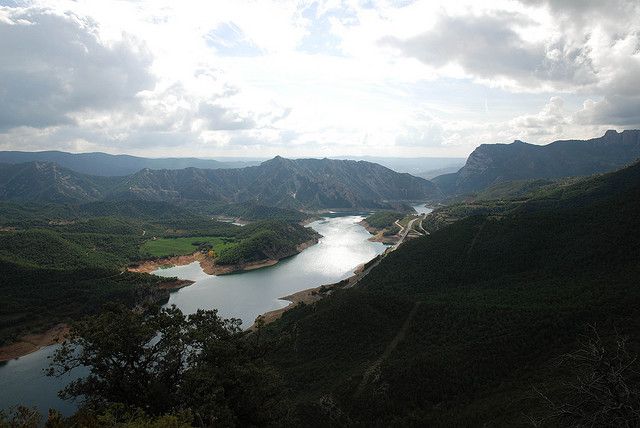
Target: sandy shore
{"x":311,"y":295}
{"x":209,"y":266}
{"x":305,"y":296}
{"x":33,"y":342}
{"x":175,"y":284}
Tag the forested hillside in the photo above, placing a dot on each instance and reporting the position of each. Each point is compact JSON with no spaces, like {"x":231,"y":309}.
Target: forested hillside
{"x":285,"y":183}
{"x":490,"y":164}
{"x":465,"y":327}
{"x":61,"y":261}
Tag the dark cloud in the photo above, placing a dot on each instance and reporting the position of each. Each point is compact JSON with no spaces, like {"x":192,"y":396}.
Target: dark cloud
{"x":616,"y":110}
{"x":53,"y":66}
{"x":489,"y":47}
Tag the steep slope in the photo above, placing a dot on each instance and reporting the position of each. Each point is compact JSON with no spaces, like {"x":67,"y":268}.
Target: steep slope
{"x":285,"y":183}
{"x":301,"y":183}
{"x":462,"y":327}
{"x":104,"y":164}
{"x":494,"y":163}
{"x":318,"y":183}
{"x":48,"y":182}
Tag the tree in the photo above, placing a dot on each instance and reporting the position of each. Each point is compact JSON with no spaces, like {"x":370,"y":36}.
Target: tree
{"x":161,"y":362}
{"x":20,"y":416}
{"x":605,"y":390}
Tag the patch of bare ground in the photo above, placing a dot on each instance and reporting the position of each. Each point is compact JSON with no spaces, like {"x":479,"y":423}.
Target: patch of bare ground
{"x":209,"y":266}
{"x":33,"y":342}
{"x":378,"y":234}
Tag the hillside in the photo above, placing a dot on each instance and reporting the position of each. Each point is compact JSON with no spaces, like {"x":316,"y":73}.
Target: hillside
{"x":48,"y":182}
{"x":104,"y":164}
{"x":285,"y":183}
{"x":463,"y":327}
{"x":62,"y":261}
{"x":494,"y":163}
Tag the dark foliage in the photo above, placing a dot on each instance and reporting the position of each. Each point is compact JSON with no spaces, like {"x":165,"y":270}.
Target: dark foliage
{"x":500,"y":298}
{"x":160,"y":362}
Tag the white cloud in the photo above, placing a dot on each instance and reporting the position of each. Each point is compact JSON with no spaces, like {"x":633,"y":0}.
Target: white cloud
{"x":314,"y":78}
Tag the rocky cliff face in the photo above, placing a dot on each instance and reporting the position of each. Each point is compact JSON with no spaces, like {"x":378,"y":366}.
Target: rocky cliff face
{"x":493,"y":163}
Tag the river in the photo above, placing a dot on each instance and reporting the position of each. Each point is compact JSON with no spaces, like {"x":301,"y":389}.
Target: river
{"x":422,"y":209}
{"x":344,"y":245}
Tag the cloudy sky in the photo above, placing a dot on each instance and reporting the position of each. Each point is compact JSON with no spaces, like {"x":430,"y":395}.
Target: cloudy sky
{"x":313,"y":78}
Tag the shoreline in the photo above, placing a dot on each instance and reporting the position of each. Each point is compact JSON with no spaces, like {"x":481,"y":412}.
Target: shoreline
{"x":33,"y":342}
{"x":378,"y":234}
{"x":315,"y":294}
{"x":308,"y":296}
{"x":209,"y":267}
{"x":174,"y":285}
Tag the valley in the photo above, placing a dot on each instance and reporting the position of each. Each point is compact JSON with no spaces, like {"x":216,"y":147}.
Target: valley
{"x":342,"y":247}
{"x":321,"y":213}
{"x":379,"y":294}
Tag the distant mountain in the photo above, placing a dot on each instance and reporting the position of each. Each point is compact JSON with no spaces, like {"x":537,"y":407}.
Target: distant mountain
{"x":432,"y":173}
{"x":286,"y":183}
{"x":104,"y":164}
{"x":413,"y":165}
{"x":494,"y":163}
{"x":48,"y":182}
{"x":300,"y":183}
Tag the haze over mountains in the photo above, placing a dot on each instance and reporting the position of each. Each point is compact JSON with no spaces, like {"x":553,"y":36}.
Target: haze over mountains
{"x":104,"y":164}
{"x":425,"y":167}
{"x":490,"y":164}
{"x":302,"y":183}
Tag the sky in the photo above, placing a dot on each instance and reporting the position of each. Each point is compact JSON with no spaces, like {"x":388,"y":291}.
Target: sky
{"x":314,"y":78}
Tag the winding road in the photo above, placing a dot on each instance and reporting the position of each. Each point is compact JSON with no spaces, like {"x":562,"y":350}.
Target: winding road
{"x":403,"y":233}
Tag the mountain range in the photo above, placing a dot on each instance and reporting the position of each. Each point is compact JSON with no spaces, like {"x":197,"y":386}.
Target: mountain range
{"x":490,"y":164}
{"x":107,"y":165}
{"x":300,"y":183}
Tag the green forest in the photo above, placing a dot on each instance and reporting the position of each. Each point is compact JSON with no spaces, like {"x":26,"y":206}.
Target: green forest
{"x":60,"y":262}
{"x":486,"y":305}
{"x":383,"y":219}
{"x":523,"y":315}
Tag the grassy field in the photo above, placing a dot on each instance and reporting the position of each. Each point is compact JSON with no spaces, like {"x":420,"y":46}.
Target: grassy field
{"x":164,"y":247}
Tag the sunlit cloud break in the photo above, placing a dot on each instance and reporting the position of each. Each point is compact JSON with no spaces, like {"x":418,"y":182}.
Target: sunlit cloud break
{"x":313,"y":78}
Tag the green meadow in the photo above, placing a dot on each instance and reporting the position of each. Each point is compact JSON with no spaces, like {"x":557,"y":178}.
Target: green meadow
{"x":165,"y":247}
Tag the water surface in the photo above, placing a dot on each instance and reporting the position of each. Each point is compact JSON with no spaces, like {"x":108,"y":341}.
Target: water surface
{"x":246,"y":295}
{"x":422,"y":209}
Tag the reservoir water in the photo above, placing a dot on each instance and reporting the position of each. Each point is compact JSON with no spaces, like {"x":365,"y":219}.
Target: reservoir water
{"x":344,"y":245}
{"x":422,"y":209}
